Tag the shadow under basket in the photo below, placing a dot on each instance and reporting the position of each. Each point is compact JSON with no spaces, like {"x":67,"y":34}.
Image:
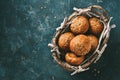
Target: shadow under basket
{"x":91,"y":11}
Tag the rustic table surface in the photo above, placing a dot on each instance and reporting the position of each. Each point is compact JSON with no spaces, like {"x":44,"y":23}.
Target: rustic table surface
{"x":26,"y":28}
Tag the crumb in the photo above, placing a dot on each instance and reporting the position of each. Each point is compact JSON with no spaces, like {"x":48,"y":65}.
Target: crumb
{"x":41,"y":7}
{"x":55,"y":17}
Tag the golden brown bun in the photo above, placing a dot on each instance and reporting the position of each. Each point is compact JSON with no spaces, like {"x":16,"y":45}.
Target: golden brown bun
{"x":94,"y":41}
{"x":72,"y":59}
{"x":64,"y":40}
{"x":96,"y":26}
{"x":80,"y":24}
{"x":80,"y":45}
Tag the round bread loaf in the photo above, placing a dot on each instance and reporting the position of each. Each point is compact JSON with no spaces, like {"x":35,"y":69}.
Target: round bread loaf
{"x":80,"y":24}
{"x":72,"y":59}
{"x":96,"y":26}
{"x":80,"y":45}
{"x":64,"y":40}
{"x":94,"y":41}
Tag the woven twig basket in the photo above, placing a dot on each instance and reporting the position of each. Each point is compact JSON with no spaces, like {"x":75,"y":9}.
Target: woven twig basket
{"x":91,"y":11}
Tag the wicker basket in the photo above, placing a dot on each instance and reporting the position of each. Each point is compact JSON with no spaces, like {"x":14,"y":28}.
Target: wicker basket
{"x":91,"y":11}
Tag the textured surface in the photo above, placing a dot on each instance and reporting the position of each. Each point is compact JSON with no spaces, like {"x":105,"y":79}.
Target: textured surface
{"x":27,"y":26}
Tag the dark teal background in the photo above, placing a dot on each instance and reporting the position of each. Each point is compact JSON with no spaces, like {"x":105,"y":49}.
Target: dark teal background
{"x":26,"y":28}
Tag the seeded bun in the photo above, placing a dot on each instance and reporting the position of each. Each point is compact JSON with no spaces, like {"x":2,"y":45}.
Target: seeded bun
{"x":80,"y":45}
{"x":80,"y":24}
{"x":96,"y":26}
{"x":64,"y":40}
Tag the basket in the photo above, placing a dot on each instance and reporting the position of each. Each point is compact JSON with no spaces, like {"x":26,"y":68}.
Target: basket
{"x":91,"y":11}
